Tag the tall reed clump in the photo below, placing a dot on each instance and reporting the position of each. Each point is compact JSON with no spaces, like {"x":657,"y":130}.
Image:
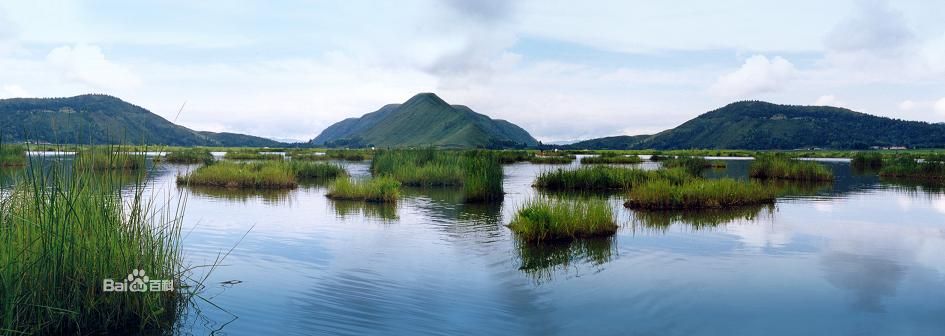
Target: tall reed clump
{"x":698,"y":194}
{"x":235,"y":155}
{"x":260,"y":175}
{"x":478,"y":172}
{"x":12,"y":155}
{"x":348,"y":154}
{"x":781,"y":167}
{"x":559,"y":219}
{"x":109,"y":158}
{"x":307,"y":170}
{"x":379,"y":189}
{"x":604,"y":178}
{"x":693,"y":164}
{"x":190,"y":155}
{"x":611,"y":157}
{"x":63,"y":232}
{"x":910,"y":168}
{"x":867,"y":160}
{"x":551,"y":159}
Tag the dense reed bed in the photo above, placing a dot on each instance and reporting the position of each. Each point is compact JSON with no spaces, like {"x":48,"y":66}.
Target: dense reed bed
{"x":693,"y":164}
{"x":259,"y":175}
{"x":604,"y":178}
{"x":698,"y":194}
{"x":378,"y":189}
{"x":909,"y":167}
{"x":311,"y":170}
{"x":478,"y":172}
{"x":563,"y":219}
{"x":349,"y":154}
{"x":782,"y":167}
{"x":867,"y":160}
{"x":239,"y":155}
{"x":551,"y":159}
{"x":12,"y":155}
{"x":611,"y":157}
{"x":63,"y":231}
{"x":192,"y":155}
{"x":109,"y":158}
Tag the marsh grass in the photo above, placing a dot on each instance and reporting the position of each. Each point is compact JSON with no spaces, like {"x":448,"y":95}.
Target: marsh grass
{"x":693,"y":164}
{"x":315,"y":170}
{"x":867,"y":160}
{"x":349,"y":154}
{"x":907,"y":167}
{"x":12,"y":155}
{"x":698,"y":194}
{"x":259,"y":175}
{"x":612,"y":158}
{"x":109,"y":158}
{"x":478,"y":172}
{"x":601,"y":178}
{"x":63,"y":230}
{"x":552,"y":219}
{"x":239,"y":155}
{"x":192,"y":155}
{"x":782,"y":167}
{"x":379,"y":189}
{"x":553,"y":159}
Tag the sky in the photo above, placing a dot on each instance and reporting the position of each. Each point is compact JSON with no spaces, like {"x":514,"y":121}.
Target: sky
{"x":563,"y":70}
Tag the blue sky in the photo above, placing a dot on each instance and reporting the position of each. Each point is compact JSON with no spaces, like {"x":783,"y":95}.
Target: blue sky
{"x":560,"y":69}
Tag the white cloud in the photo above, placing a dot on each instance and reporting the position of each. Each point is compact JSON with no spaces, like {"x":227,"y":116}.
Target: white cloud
{"x":940,"y":106}
{"x":757,"y":75}
{"x":13,"y":91}
{"x":87,"y":64}
{"x":828,"y":100}
{"x":906,"y":105}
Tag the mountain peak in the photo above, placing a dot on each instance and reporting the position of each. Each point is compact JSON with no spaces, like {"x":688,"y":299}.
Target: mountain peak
{"x":425,"y":97}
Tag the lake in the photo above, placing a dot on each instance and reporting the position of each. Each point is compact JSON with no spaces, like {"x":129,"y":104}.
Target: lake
{"x":859,"y":256}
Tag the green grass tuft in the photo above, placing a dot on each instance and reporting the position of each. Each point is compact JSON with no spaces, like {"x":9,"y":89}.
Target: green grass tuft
{"x":478,"y":172}
{"x":610,"y":157}
{"x":867,"y":160}
{"x":604,"y":178}
{"x":192,"y":155}
{"x":693,"y":164}
{"x":12,"y":155}
{"x":909,"y":168}
{"x":378,"y":189}
{"x":109,"y":158}
{"x":782,"y":167}
{"x":558,"y":219}
{"x":260,"y":175}
{"x":698,"y":194}
{"x":237,"y":155}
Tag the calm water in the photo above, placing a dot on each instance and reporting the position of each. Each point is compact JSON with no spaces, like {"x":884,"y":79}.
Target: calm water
{"x":859,"y":256}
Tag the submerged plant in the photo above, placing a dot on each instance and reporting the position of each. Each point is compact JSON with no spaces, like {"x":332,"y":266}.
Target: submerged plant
{"x":559,"y":219}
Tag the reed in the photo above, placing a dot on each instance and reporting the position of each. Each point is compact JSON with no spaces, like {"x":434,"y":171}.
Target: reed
{"x":610,"y":157}
{"x":555,"y":159}
{"x":782,"y":167}
{"x":693,"y":164}
{"x":191,"y":155}
{"x":604,"y":178}
{"x":109,"y":158}
{"x":63,"y":231}
{"x":379,"y":189}
{"x":308,"y":170}
{"x":260,"y":175}
{"x":698,"y":194}
{"x":907,"y":167}
{"x":12,"y":155}
{"x":478,"y":172}
{"x":552,"y":219}
{"x":237,"y":155}
{"x":867,"y":160}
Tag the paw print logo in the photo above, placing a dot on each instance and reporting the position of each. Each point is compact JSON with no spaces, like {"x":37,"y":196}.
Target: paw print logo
{"x":138,"y":281}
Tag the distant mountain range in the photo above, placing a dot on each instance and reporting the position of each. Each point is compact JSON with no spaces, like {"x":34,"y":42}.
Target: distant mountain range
{"x":103,"y":119}
{"x":424,"y":120}
{"x":762,"y":125}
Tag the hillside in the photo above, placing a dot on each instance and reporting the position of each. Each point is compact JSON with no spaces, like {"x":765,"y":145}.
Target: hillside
{"x":102,"y":119}
{"x":614,"y":142}
{"x":762,"y":125}
{"x":424,"y":119}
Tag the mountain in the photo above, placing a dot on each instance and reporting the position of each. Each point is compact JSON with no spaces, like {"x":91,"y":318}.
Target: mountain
{"x":103,"y":119}
{"x":762,"y":125}
{"x":614,"y":142}
{"x":423,"y":120}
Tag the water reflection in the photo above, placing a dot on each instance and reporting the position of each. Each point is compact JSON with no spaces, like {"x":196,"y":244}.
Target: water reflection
{"x":268,"y":196}
{"x":914,"y":186}
{"x":382,"y":211}
{"x":542,"y":261}
{"x":661,"y":221}
{"x":869,"y":279}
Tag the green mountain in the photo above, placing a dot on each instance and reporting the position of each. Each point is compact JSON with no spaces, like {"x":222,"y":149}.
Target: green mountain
{"x":614,"y":142}
{"x":102,"y":119}
{"x":423,"y":120}
{"x":762,"y":125}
